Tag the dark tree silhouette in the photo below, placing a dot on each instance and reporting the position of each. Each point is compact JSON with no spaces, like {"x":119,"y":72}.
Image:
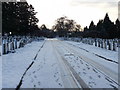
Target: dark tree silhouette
{"x":109,"y":27}
{"x":66,"y":27}
{"x":104,"y":29}
{"x":118,"y":28}
{"x":18,"y":18}
{"x":92,"y":26}
{"x":43,"y":27}
{"x":85,"y":29}
{"x":101,"y":30}
{"x":8,"y":17}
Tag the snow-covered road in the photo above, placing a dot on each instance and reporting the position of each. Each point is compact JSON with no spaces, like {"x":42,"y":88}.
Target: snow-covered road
{"x":103,"y":65}
{"x":58,"y":64}
{"x":49,"y":71}
{"x":90,"y":66}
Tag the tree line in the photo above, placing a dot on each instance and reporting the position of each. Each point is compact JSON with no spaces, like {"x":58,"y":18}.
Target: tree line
{"x":104,"y":29}
{"x":18,"y":18}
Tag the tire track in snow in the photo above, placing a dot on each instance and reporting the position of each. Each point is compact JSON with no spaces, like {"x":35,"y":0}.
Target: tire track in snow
{"x":77,"y":79}
{"x":21,"y":80}
{"x":106,"y":59}
{"x":100,"y":68}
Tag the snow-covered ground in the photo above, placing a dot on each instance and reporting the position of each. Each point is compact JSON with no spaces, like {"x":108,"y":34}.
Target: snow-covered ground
{"x":60,"y":64}
{"x":0,"y":50}
{"x":112,"y":55}
{"x":96,"y":60}
{"x":93,"y":77}
{"x":45,"y":72}
{"x":15,"y":64}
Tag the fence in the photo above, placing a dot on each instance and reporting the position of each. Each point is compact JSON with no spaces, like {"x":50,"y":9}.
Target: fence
{"x":109,"y":44}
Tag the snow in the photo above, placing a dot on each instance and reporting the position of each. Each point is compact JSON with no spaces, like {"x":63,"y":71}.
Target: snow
{"x":45,"y":72}
{"x":91,"y":75}
{"x":50,"y":71}
{"x":0,"y":50}
{"x":93,"y":57}
{"x":14,"y":64}
{"x":109,"y":54}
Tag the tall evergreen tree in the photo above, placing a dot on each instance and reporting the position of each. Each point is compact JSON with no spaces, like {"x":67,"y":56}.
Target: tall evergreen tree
{"x":109,"y":27}
{"x":100,"y":25}
{"x":8,"y":17}
{"x":18,"y":18}
{"x":104,"y":29}
{"x":101,"y":30}
{"x":117,"y":23}
{"x":85,"y":29}
{"x":92,"y":26}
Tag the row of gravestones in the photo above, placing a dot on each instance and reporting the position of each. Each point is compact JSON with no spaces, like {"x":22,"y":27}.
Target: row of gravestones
{"x":110,"y":44}
{"x":10,"y":44}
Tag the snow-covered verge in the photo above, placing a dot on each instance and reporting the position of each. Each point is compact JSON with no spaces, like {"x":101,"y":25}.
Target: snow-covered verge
{"x":112,"y":55}
{"x":93,"y":77}
{"x":15,"y":64}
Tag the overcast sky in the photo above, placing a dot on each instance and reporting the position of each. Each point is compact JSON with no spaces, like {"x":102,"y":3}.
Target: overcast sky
{"x":82,"y":11}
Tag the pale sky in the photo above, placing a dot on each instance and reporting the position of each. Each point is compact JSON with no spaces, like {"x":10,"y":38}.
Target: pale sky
{"x":82,"y":11}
